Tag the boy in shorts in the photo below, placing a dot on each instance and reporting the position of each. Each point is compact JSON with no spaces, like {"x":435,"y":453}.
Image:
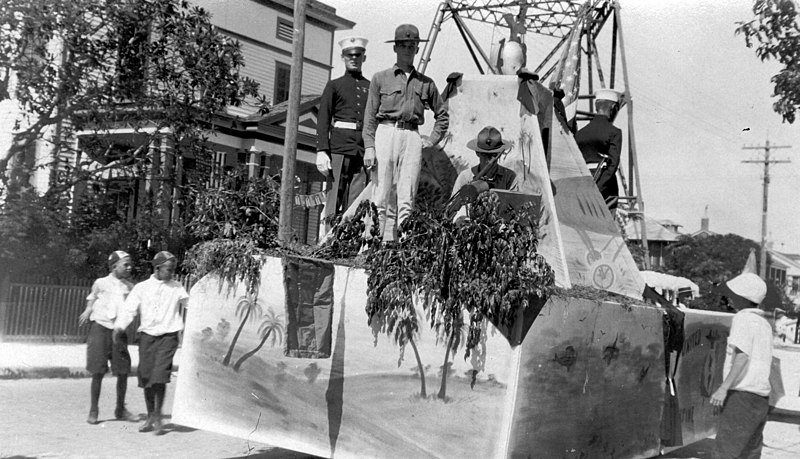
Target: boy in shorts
{"x":159,"y":301}
{"x":102,"y":305}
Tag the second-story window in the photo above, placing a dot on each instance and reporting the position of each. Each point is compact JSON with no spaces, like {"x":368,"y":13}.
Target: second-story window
{"x":285,"y":30}
{"x":282,"y":75}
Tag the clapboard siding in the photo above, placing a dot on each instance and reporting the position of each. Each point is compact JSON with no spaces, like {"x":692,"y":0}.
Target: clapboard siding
{"x":260,"y":22}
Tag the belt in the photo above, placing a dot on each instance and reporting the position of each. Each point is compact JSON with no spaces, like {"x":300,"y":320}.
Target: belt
{"x":399,"y":124}
{"x":346,"y":125}
{"x":592,"y":165}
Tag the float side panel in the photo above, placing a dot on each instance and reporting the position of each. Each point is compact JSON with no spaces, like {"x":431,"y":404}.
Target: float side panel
{"x":364,"y":400}
{"x":591,"y":382}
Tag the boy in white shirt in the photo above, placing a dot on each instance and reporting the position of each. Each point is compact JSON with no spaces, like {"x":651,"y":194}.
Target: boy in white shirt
{"x":102,"y":306}
{"x":744,"y":393}
{"x":158,"y":301}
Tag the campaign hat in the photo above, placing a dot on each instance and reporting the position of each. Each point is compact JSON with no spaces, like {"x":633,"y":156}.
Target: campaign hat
{"x":406,"y":32}
{"x":489,"y":140}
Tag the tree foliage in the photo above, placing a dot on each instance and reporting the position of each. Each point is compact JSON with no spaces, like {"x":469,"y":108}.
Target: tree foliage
{"x":157,"y":68}
{"x":485,"y":269}
{"x":775,"y":35}
{"x":48,"y":236}
{"x":707,"y":261}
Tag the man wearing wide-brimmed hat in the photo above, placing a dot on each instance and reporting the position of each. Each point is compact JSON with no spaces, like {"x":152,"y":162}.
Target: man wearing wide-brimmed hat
{"x":743,"y":395}
{"x":158,"y":301}
{"x":488,"y":145}
{"x":340,"y":146}
{"x":398,"y":97}
{"x":600,"y":143}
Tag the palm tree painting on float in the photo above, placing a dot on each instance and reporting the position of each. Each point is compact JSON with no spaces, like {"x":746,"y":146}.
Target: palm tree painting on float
{"x":271,"y":327}
{"x":248,"y":307}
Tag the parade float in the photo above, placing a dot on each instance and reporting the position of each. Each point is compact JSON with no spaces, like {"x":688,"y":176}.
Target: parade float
{"x":298,"y":364}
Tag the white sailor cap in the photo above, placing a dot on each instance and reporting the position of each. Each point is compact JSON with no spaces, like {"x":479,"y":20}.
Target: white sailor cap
{"x":608,"y":94}
{"x":353,"y":42}
{"x":748,"y":286}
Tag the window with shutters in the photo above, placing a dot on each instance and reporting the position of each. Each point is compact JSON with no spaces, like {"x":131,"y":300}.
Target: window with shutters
{"x":285,"y":30}
{"x":282,"y":76}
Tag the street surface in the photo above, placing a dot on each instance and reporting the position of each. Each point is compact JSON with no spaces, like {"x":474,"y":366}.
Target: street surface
{"x":46,"y":418}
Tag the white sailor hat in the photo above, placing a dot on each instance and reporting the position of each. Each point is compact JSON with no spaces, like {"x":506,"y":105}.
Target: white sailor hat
{"x":608,"y":94}
{"x":353,"y":42}
{"x":748,"y":286}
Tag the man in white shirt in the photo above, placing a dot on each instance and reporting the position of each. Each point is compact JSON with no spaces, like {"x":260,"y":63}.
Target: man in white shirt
{"x":158,"y":301}
{"x":744,"y":393}
{"x":102,"y":305}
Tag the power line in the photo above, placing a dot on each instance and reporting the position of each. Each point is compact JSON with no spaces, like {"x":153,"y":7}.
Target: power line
{"x":766,"y":162}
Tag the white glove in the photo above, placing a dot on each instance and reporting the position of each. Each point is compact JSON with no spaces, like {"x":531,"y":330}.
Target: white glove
{"x":323,"y":163}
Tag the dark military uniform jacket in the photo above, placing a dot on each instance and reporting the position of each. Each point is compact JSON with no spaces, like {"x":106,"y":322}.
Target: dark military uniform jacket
{"x":343,"y":99}
{"x":600,"y":136}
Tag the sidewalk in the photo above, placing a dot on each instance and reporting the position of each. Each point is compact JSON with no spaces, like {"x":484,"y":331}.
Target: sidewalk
{"x":47,"y":360}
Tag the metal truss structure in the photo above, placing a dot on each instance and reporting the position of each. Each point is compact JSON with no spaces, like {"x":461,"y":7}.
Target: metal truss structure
{"x":557,"y":19}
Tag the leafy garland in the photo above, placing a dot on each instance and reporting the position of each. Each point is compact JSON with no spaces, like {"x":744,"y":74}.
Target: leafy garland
{"x":349,"y":236}
{"x":485,"y":268}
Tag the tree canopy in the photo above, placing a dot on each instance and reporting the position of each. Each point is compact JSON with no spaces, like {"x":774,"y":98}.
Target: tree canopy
{"x":775,"y":35}
{"x":707,"y":261}
{"x":158,"y":69}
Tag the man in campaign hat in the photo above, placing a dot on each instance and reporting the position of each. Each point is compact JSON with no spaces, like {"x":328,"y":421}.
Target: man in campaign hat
{"x":600,"y":143}
{"x":159,"y":302}
{"x":340,"y":146}
{"x":104,"y":302}
{"x":488,"y":145}
{"x":744,"y":392}
{"x":398,"y":97}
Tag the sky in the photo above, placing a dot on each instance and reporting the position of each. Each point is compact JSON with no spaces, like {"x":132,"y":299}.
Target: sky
{"x":699,"y":96}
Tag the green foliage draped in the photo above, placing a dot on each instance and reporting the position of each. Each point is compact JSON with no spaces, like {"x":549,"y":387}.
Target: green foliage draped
{"x":486,"y":268}
{"x":235,"y":224}
{"x":775,"y":35}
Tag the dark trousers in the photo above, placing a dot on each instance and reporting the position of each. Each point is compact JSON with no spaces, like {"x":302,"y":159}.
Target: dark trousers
{"x":155,"y":358}
{"x":741,"y":426}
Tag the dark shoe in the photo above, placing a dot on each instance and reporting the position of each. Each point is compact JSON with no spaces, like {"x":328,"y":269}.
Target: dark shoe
{"x":92,"y":419}
{"x":147,"y":426}
{"x":124,"y":415}
{"x":158,"y":426}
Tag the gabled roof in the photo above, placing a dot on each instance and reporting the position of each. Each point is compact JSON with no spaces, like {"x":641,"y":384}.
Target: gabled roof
{"x":319,"y":11}
{"x":273,"y":124}
{"x":655,"y":231}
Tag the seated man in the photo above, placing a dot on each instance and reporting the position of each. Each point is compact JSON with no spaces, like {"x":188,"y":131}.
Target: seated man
{"x":488,"y":145}
{"x":600,"y":143}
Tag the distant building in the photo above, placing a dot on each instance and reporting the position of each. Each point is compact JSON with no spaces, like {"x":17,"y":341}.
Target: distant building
{"x":660,"y":234}
{"x":704,"y":229}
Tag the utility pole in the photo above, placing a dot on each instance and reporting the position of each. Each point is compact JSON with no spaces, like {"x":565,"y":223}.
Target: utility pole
{"x":766,"y":162}
{"x":292,"y":118}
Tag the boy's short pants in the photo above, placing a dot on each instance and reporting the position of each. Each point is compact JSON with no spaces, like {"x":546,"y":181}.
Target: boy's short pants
{"x":155,"y":358}
{"x":100,"y":348}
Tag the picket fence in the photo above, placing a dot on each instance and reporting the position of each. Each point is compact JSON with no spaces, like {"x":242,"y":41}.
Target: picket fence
{"x":48,"y":313}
